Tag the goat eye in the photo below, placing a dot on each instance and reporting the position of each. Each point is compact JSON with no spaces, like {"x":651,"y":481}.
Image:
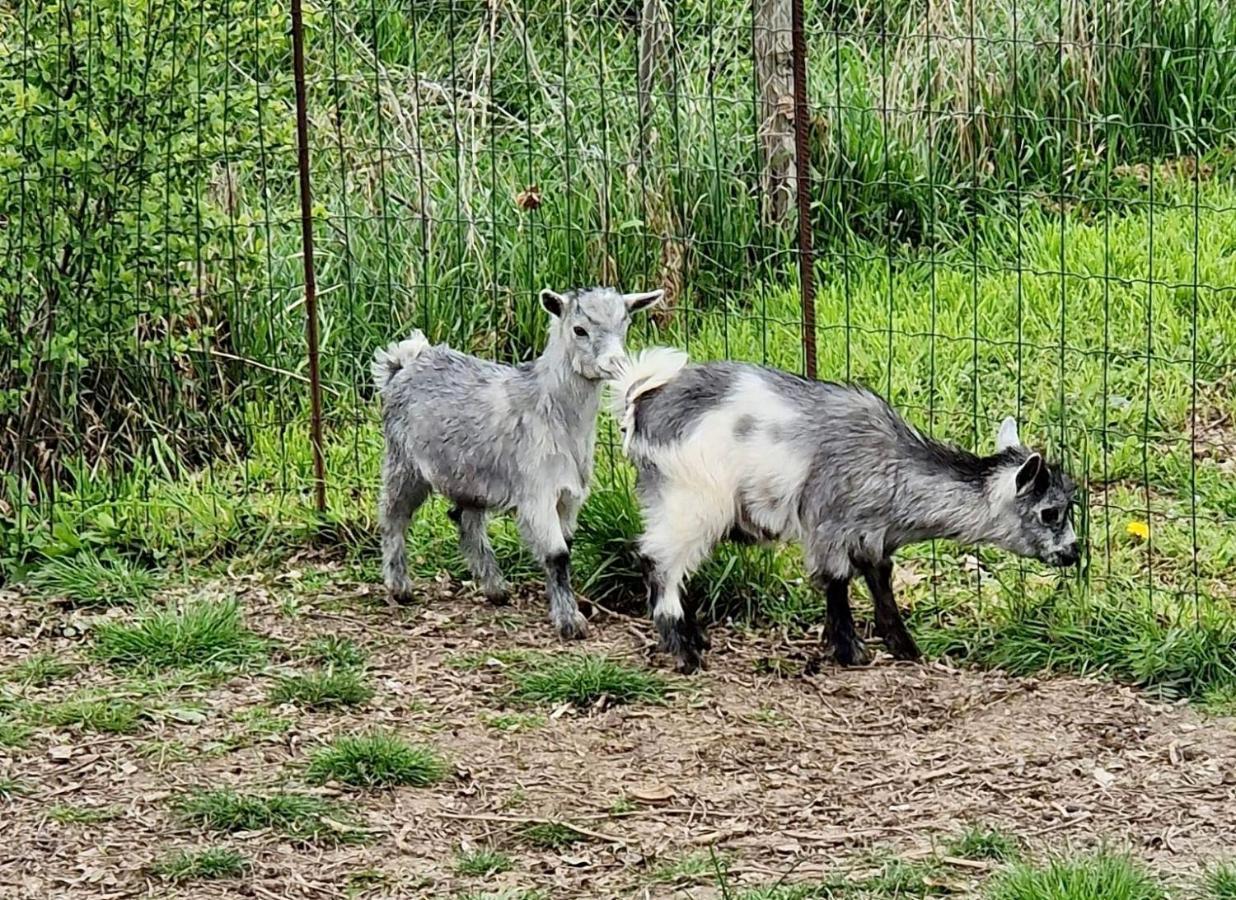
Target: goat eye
{"x":1050,"y":516}
{"x":580,"y":331}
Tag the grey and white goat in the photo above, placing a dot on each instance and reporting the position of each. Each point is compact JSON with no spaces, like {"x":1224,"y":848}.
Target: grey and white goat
{"x":491,"y":437}
{"x":752,"y":454}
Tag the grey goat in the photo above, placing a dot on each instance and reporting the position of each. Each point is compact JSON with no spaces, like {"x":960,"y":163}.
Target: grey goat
{"x":490,"y":437}
{"x":753,"y":454}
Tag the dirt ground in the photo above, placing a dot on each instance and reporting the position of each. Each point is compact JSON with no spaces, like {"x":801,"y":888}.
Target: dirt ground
{"x":776,"y":771}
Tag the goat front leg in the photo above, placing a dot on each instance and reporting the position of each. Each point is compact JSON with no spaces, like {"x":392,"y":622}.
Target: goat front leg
{"x":888,"y":621}
{"x":569,"y":505}
{"x":848,"y":647}
{"x":542,"y":530}
{"x":479,"y":553}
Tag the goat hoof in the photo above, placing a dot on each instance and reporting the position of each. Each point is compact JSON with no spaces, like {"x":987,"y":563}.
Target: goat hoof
{"x":688,"y":664}
{"x":396,"y":599}
{"x":851,"y":653}
{"x":498,"y":598}
{"x":574,"y":628}
{"x":902,"y":646}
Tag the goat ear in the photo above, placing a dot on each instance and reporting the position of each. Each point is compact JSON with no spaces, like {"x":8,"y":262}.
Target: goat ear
{"x":1007,"y":437}
{"x":555,"y":304}
{"x":636,"y":302}
{"x":1032,"y":475}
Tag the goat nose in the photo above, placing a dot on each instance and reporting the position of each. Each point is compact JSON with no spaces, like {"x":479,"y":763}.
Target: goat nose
{"x":1071,"y":555}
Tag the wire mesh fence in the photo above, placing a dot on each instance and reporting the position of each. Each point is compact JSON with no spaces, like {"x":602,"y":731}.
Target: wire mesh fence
{"x":1021,"y":207}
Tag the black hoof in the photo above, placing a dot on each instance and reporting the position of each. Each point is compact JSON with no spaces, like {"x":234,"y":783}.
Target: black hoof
{"x":851,"y":652}
{"x":902,"y":646}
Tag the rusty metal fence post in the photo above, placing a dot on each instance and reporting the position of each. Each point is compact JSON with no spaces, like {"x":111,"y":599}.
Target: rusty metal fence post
{"x":306,"y":226}
{"x":802,"y":181}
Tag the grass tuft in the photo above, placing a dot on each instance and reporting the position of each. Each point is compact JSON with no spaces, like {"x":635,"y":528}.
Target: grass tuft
{"x":11,"y":787}
{"x":90,"y":580}
{"x":482,"y":863}
{"x":985,"y":843}
{"x":552,"y":835}
{"x":300,"y":816}
{"x":200,"y":633}
{"x":40,"y":670}
{"x":322,"y":689}
{"x":584,"y":679}
{"x":67,"y":814}
{"x":202,"y":865}
{"x":1102,"y":877}
{"x":513,"y":721}
{"x":13,"y":733}
{"x":94,"y":714}
{"x":335,"y":650}
{"x":376,"y":759}
{"x":1221,"y":883}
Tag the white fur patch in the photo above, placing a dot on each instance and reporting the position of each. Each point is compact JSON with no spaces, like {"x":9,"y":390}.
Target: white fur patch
{"x":390,"y":359}
{"x":647,"y":370}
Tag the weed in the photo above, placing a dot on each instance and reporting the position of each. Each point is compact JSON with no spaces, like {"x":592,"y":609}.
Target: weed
{"x":692,"y":867}
{"x":199,"y":633}
{"x":322,"y":689}
{"x":481,"y":863}
{"x":583,"y":679}
{"x":202,"y":865}
{"x":375,"y":759}
{"x":300,"y":816}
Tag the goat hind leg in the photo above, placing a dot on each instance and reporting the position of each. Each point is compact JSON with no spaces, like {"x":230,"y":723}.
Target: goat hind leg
{"x":888,"y":621}
{"x":404,"y":489}
{"x":479,"y":553}
{"x":682,"y":531}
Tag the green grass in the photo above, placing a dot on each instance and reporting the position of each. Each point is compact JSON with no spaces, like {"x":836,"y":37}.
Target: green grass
{"x":199,"y":633}
{"x":1220,"y":883}
{"x":323,"y":688}
{"x":94,"y":713}
{"x":303,"y":817}
{"x":693,"y":867}
{"x":551,"y":835}
{"x":88,"y":579}
{"x":513,"y":721}
{"x":207,"y":864}
{"x":482,"y":863}
{"x":40,"y":670}
{"x":375,"y":759}
{"x":11,"y":788}
{"x":335,"y":650}
{"x":984,"y":844}
{"x":583,"y":679}
{"x":13,"y":733}
{"x":67,"y":814}
{"x":1103,"y":877}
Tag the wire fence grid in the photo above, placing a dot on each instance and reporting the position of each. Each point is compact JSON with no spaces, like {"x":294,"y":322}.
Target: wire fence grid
{"x":1022,"y":207}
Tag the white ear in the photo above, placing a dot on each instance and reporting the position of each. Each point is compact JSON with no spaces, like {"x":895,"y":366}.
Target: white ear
{"x":1007,"y":437}
{"x":554,"y":303}
{"x":636,"y":302}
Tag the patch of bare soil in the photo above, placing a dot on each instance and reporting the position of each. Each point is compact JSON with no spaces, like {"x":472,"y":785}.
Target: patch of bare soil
{"x":774,"y":772}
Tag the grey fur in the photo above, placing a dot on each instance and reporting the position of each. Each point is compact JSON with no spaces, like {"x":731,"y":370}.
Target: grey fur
{"x":873,"y":484}
{"x":491,"y":437}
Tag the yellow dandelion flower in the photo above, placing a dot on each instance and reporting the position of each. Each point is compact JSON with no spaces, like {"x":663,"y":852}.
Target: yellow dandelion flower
{"x":1139,"y":530}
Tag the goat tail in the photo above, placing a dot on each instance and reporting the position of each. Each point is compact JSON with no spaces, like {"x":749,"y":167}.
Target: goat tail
{"x":389,"y":360}
{"x":646,"y":371}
